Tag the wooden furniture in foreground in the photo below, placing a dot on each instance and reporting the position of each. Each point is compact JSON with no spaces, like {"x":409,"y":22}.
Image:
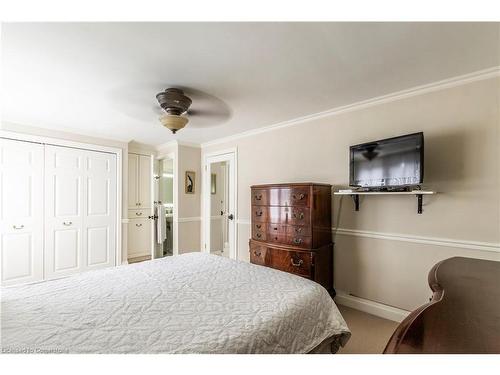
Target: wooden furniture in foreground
{"x":291,"y":230}
{"x":463,"y":315}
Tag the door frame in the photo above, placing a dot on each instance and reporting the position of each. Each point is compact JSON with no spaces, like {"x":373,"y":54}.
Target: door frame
{"x":91,"y":147}
{"x":230,"y":155}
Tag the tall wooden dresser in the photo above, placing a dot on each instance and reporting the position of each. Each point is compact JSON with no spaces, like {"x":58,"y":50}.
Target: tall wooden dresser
{"x":291,"y":230}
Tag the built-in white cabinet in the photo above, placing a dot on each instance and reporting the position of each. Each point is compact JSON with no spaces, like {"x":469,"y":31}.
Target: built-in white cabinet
{"x":58,"y":210}
{"x":21,"y":211}
{"x":140,"y":228}
{"x":140,"y":177}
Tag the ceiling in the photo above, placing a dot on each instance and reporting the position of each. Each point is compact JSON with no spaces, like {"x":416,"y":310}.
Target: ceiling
{"x":101,"y":78}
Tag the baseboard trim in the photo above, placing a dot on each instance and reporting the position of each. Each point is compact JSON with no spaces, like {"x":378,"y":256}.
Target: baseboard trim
{"x":371,"y":307}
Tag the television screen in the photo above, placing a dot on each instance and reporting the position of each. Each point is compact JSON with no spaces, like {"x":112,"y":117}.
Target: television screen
{"x":388,"y":163}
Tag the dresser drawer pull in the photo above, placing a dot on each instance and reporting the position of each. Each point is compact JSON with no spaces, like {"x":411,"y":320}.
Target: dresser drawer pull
{"x":299,"y":216}
{"x":298,"y":197}
{"x":18,"y":227}
{"x":138,"y":213}
{"x":138,"y":225}
{"x":297,"y":264}
{"x":298,"y":230}
{"x":259,"y":235}
{"x":258,"y":213}
{"x":67,"y":223}
{"x":258,"y":226}
{"x":275,"y":228}
{"x":258,"y":197}
{"x":257,"y":254}
{"x":297,"y":241}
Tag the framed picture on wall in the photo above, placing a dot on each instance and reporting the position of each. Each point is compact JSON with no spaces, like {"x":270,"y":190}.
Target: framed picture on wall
{"x":189,"y":184}
{"x":213,"y":183}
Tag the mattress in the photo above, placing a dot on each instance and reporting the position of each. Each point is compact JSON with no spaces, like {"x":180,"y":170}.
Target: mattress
{"x":191,"y":303}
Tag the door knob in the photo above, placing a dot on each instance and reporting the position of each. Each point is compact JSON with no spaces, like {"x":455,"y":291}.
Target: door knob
{"x":230,"y":216}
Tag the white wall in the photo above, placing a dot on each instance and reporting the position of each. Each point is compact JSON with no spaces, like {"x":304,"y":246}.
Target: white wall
{"x":462,"y":152}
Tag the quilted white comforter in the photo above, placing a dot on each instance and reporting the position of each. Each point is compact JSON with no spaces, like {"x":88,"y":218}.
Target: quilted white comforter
{"x":192,"y":303}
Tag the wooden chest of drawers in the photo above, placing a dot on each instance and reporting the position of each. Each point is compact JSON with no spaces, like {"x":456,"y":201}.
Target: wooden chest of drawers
{"x":291,"y":230}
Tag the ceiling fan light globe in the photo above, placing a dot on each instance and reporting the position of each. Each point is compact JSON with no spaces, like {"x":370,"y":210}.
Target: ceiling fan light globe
{"x":173,"y":122}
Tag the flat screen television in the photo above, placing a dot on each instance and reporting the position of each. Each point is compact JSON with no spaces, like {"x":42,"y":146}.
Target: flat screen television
{"x":389,"y":164}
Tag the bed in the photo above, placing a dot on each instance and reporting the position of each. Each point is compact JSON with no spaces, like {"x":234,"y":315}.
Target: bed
{"x":191,"y":303}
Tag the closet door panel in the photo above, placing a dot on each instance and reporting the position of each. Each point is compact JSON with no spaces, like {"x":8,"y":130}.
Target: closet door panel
{"x":133,"y":188}
{"x":64,"y":206}
{"x":100,"y":217}
{"x":145,"y":177}
{"x":21,"y":211}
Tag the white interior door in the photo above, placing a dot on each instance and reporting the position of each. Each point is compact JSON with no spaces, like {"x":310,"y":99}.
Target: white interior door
{"x":80,"y":210}
{"x":230,"y":204}
{"x":21,"y":211}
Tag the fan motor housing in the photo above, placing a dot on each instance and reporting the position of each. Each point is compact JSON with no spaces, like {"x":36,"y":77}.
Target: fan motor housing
{"x":173,"y":101}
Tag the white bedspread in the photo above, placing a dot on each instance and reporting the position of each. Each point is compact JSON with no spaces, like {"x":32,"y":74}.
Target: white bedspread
{"x":192,"y":303}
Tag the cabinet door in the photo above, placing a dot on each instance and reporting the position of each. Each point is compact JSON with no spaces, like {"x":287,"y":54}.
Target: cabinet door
{"x":139,"y":238}
{"x":21,"y":211}
{"x":133,"y":188}
{"x":145,"y":177}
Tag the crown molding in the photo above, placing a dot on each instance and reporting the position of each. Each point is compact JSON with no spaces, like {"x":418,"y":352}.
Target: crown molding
{"x":177,"y":143}
{"x":398,"y":95}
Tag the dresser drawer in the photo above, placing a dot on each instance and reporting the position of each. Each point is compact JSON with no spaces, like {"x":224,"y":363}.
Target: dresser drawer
{"x":300,"y":230}
{"x":258,"y":254}
{"x":276,"y":238}
{"x":298,"y":196}
{"x":299,"y":216}
{"x":139,"y":214}
{"x":259,"y":214}
{"x":260,"y":197}
{"x":299,"y":241}
{"x":274,"y":229}
{"x":297,"y":262}
{"x":259,"y":234}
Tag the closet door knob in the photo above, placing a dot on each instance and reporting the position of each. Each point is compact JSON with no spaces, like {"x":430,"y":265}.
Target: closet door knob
{"x":67,"y":223}
{"x":18,"y":227}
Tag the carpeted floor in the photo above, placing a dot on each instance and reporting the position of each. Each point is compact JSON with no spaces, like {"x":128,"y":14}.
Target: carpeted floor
{"x":369,"y":333}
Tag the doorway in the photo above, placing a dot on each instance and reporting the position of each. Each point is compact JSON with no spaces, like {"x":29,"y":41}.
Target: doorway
{"x":164,"y":205}
{"x":219,"y":197}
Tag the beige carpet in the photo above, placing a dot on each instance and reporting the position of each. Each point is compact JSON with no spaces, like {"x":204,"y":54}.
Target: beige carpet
{"x":369,"y":333}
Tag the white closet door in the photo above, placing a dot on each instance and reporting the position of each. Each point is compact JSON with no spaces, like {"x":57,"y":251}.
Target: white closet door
{"x":21,"y":211}
{"x":80,"y":210}
{"x":133,"y":181}
{"x":99,"y":241}
{"x":145,"y":177}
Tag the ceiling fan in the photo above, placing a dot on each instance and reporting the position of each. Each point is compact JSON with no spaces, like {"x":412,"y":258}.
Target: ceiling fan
{"x":174,"y":104}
